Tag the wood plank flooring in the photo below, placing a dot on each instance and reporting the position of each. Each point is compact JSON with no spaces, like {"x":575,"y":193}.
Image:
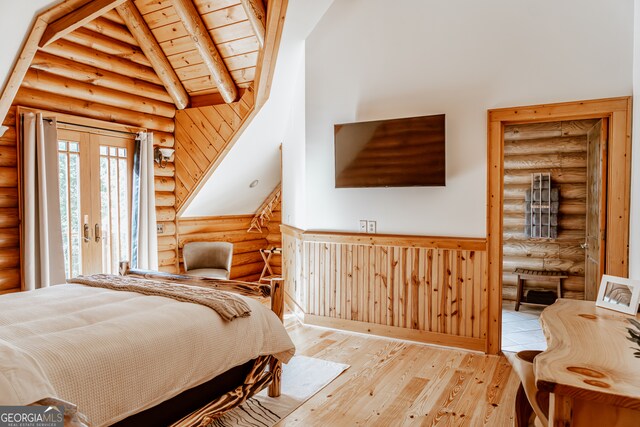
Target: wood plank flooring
{"x":399,"y":383}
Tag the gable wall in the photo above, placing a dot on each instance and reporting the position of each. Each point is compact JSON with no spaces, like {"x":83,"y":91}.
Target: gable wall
{"x":98,"y":75}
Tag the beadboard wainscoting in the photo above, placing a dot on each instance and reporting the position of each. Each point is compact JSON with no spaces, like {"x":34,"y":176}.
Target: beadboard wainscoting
{"x":428,"y":289}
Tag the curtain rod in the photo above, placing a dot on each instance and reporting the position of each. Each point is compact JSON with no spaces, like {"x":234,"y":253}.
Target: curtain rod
{"x":91,"y":127}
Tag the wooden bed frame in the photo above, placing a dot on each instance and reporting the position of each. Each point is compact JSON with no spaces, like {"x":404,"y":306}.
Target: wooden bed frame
{"x":266,"y":370}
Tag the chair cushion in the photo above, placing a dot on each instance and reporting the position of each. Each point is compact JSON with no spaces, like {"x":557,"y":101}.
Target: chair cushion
{"x":200,"y":255}
{"x":212,"y":273}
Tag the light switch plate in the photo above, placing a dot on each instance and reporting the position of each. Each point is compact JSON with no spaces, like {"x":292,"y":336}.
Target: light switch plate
{"x":363,"y":225}
{"x":371,"y":227}
{"x":160,"y":228}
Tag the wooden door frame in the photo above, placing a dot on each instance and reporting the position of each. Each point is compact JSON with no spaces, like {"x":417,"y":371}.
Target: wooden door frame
{"x":618,"y":112}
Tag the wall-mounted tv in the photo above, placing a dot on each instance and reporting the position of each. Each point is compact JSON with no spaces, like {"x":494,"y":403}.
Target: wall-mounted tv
{"x":406,"y":152}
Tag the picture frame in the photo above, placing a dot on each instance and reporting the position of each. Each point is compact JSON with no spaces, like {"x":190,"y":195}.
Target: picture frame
{"x":619,"y":294}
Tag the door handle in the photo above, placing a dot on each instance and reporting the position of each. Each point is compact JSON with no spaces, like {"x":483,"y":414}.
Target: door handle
{"x":86,"y":234}
{"x":98,"y":233}
{"x":584,"y":245}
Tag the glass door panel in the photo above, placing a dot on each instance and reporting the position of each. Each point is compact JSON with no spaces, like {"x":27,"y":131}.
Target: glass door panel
{"x":95,"y":200}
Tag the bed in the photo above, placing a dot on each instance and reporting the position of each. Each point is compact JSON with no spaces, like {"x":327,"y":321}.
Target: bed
{"x":120,"y":357}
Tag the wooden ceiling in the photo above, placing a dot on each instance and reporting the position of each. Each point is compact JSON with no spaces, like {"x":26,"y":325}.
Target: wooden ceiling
{"x":228,"y":27}
{"x":155,"y":52}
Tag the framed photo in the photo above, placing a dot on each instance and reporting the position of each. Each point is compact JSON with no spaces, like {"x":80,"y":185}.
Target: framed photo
{"x":620,"y":294}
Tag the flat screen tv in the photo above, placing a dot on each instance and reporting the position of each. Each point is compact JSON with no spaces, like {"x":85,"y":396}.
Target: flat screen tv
{"x":406,"y":152}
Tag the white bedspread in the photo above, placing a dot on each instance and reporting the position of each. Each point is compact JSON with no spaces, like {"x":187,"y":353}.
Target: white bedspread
{"x":117,"y":353}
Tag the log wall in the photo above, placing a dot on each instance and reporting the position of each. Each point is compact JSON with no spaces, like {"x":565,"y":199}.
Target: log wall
{"x":247,"y":261}
{"x":559,"y":148}
{"x":9,"y":224}
{"x":420,"y":288}
{"x":95,"y":72}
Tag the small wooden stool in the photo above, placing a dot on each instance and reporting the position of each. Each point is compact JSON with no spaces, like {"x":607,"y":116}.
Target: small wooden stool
{"x":525,"y":274}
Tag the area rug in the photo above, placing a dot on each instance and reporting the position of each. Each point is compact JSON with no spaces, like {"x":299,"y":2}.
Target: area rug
{"x":302,"y":378}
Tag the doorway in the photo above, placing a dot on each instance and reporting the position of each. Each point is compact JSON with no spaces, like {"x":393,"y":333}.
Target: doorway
{"x":616,"y":191}
{"x":553,"y":221}
{"x":95,"y":169}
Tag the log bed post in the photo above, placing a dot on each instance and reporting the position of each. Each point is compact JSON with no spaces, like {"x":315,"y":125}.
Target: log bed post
{"x":277,"y":306}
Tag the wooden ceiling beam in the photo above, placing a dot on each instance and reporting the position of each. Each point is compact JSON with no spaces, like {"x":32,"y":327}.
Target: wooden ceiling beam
{"x":76,"y":19}
{"x":140,"y":30}
{"x":198,"y":32}
{"x":257,"y":17}
{"x":211,"y":99}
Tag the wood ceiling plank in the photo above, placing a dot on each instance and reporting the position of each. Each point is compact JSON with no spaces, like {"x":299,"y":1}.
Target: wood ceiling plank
{"x":254,"y":9}
{"x":244,"y":77}
{"x":207,"y":129}
{"x":236,"y":47}
{"x":149,"y":6}
{"x":177,"y":30}
{"x":113,"y":16}
{"x":111,"y":29}
{"x":161,"y":17}
{"x":234,"y":63}
{"x":206,"y":6}
{"x":223,"y":17}
{"x":193,"y":22}
{"x":138,"y":27}
{"x":200,"y":139}
{"x":183,"y":139}
{"x":212,"y":18}
{"x":76,"y":19}
{"x":239,"y":47}
{"x":229,"y":115}
{"x":218,"y":122}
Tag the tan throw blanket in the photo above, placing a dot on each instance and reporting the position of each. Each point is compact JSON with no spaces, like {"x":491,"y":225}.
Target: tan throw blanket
{"x":227,"y":305}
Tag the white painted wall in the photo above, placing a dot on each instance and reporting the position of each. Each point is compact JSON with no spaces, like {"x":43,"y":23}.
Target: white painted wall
{"x":256,"y":154}
{"x":634,"y":240}
{"x":16,"y":18}
{"x":367,"y":60}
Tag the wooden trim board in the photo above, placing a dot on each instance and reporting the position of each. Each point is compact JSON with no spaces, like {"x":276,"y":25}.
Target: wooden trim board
{"x":618,"y":112}
{"x":474,"y":344}
{"x":462,"y":243}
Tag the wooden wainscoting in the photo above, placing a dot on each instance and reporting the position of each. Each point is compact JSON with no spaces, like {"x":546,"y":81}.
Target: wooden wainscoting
{"x":424,"y":289}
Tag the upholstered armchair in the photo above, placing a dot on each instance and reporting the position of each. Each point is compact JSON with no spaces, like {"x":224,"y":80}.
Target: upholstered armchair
{"x":208,"y":259}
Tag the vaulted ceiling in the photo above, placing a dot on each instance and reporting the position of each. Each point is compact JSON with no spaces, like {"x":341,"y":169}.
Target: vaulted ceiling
{"x":183,"y":52}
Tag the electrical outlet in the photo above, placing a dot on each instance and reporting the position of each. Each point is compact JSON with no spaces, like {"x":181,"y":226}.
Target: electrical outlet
{"x":371,"y":227}
{"x":363,"y":225}
{"x":160,"y":228}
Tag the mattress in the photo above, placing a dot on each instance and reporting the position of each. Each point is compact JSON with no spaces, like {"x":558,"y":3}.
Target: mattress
{"x":117,"y":353}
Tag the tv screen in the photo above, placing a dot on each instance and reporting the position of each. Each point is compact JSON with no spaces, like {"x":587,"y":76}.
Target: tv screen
{"x":391,"y":153}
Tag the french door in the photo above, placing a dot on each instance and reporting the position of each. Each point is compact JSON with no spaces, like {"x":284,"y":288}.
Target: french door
{"x":95,"y":170}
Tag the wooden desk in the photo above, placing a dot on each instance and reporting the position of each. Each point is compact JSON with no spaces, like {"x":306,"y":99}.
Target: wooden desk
{"x":589,"y":366}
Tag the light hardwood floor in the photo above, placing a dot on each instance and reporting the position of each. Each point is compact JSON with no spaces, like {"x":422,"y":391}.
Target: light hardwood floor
{"x":399,"y":383}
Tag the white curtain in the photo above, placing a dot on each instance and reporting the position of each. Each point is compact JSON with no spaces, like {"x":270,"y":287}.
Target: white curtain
{"x":145,"y":238}
{"x":43,"y":257}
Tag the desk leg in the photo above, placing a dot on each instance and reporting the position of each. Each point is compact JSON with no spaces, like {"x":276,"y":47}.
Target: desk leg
{"x":560,"y":410}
